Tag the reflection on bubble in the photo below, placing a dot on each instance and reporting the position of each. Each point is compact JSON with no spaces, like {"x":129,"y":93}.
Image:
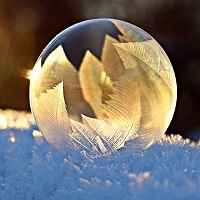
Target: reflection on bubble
{"x":101,"y":85}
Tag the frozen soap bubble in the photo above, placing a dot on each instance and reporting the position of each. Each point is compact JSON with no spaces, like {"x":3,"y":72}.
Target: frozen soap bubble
{"x":101,"y":85}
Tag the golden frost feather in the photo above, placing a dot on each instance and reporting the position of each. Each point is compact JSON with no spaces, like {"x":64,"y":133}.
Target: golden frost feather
{"x":52,"y":117}
{"x":155,"y":87}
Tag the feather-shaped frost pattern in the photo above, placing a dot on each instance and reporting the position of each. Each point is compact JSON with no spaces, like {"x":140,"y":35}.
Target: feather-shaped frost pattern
{"x":104,"y":130}
{"x":90,"y":138}
{"x":167,"y":71}
{"x":128,"y":59}
{"x":111,"y":61}
{"x":98,"y":136}
{"x":100,"y":126}
{"x":124,"y":111}
{"x":157,"y":101}
{"x":144,"y":51}
{"x":89,"y":76}
{"x":162,"y":82}
{"x":58,"y":68}
{"x":151,"y":122}
{"x":59,"y":129}
{"x":52,"y":117}
{"x":46,"y":79}
{"x":153,"y":84}
{"x":63,"y":68}
{"x":151,"y":113}
{"x":163,"y":92}
{"x":85,"y":137}
{"x":148,"y":52}
{"x":130,"y":31}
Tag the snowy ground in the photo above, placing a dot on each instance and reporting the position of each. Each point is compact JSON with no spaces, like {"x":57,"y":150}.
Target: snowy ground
{"x":31,"y":169}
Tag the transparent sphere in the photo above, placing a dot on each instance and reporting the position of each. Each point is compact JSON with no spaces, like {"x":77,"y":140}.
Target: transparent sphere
{"x":101,"y":85}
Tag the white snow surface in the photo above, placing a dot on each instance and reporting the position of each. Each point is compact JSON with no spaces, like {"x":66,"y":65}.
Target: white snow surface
{"x":32,"y":169}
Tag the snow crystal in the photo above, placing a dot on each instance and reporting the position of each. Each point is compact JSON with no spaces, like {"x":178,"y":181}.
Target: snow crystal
{"x":32,"y":169}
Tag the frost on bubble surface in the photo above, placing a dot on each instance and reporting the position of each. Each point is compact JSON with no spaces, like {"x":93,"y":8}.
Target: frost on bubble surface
{"x":102,"y":85}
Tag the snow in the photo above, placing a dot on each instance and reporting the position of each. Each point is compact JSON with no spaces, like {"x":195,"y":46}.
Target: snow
{"x":32,"y":169}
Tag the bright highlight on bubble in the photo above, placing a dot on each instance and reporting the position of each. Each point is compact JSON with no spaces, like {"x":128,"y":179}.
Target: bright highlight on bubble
{"x":101,"y":85}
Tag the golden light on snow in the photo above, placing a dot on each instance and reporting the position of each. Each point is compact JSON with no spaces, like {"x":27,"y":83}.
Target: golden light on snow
{"x":15,"y":119}
{"x":12,"y":139}
{"x":3,"y":121}
{"x":140,"y":177}
{"x":123,"y":91}
{"x":36,"y":134}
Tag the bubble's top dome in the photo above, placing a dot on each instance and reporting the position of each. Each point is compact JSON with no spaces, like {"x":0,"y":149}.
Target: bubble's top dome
{"x":101,"y":85}
{"x":89,"y":35}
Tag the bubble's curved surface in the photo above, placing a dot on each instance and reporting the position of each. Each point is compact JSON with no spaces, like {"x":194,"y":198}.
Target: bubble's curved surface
{"x":101,"y":85}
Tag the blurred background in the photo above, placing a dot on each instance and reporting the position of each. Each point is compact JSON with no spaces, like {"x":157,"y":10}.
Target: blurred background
{"x":26,"y":27}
